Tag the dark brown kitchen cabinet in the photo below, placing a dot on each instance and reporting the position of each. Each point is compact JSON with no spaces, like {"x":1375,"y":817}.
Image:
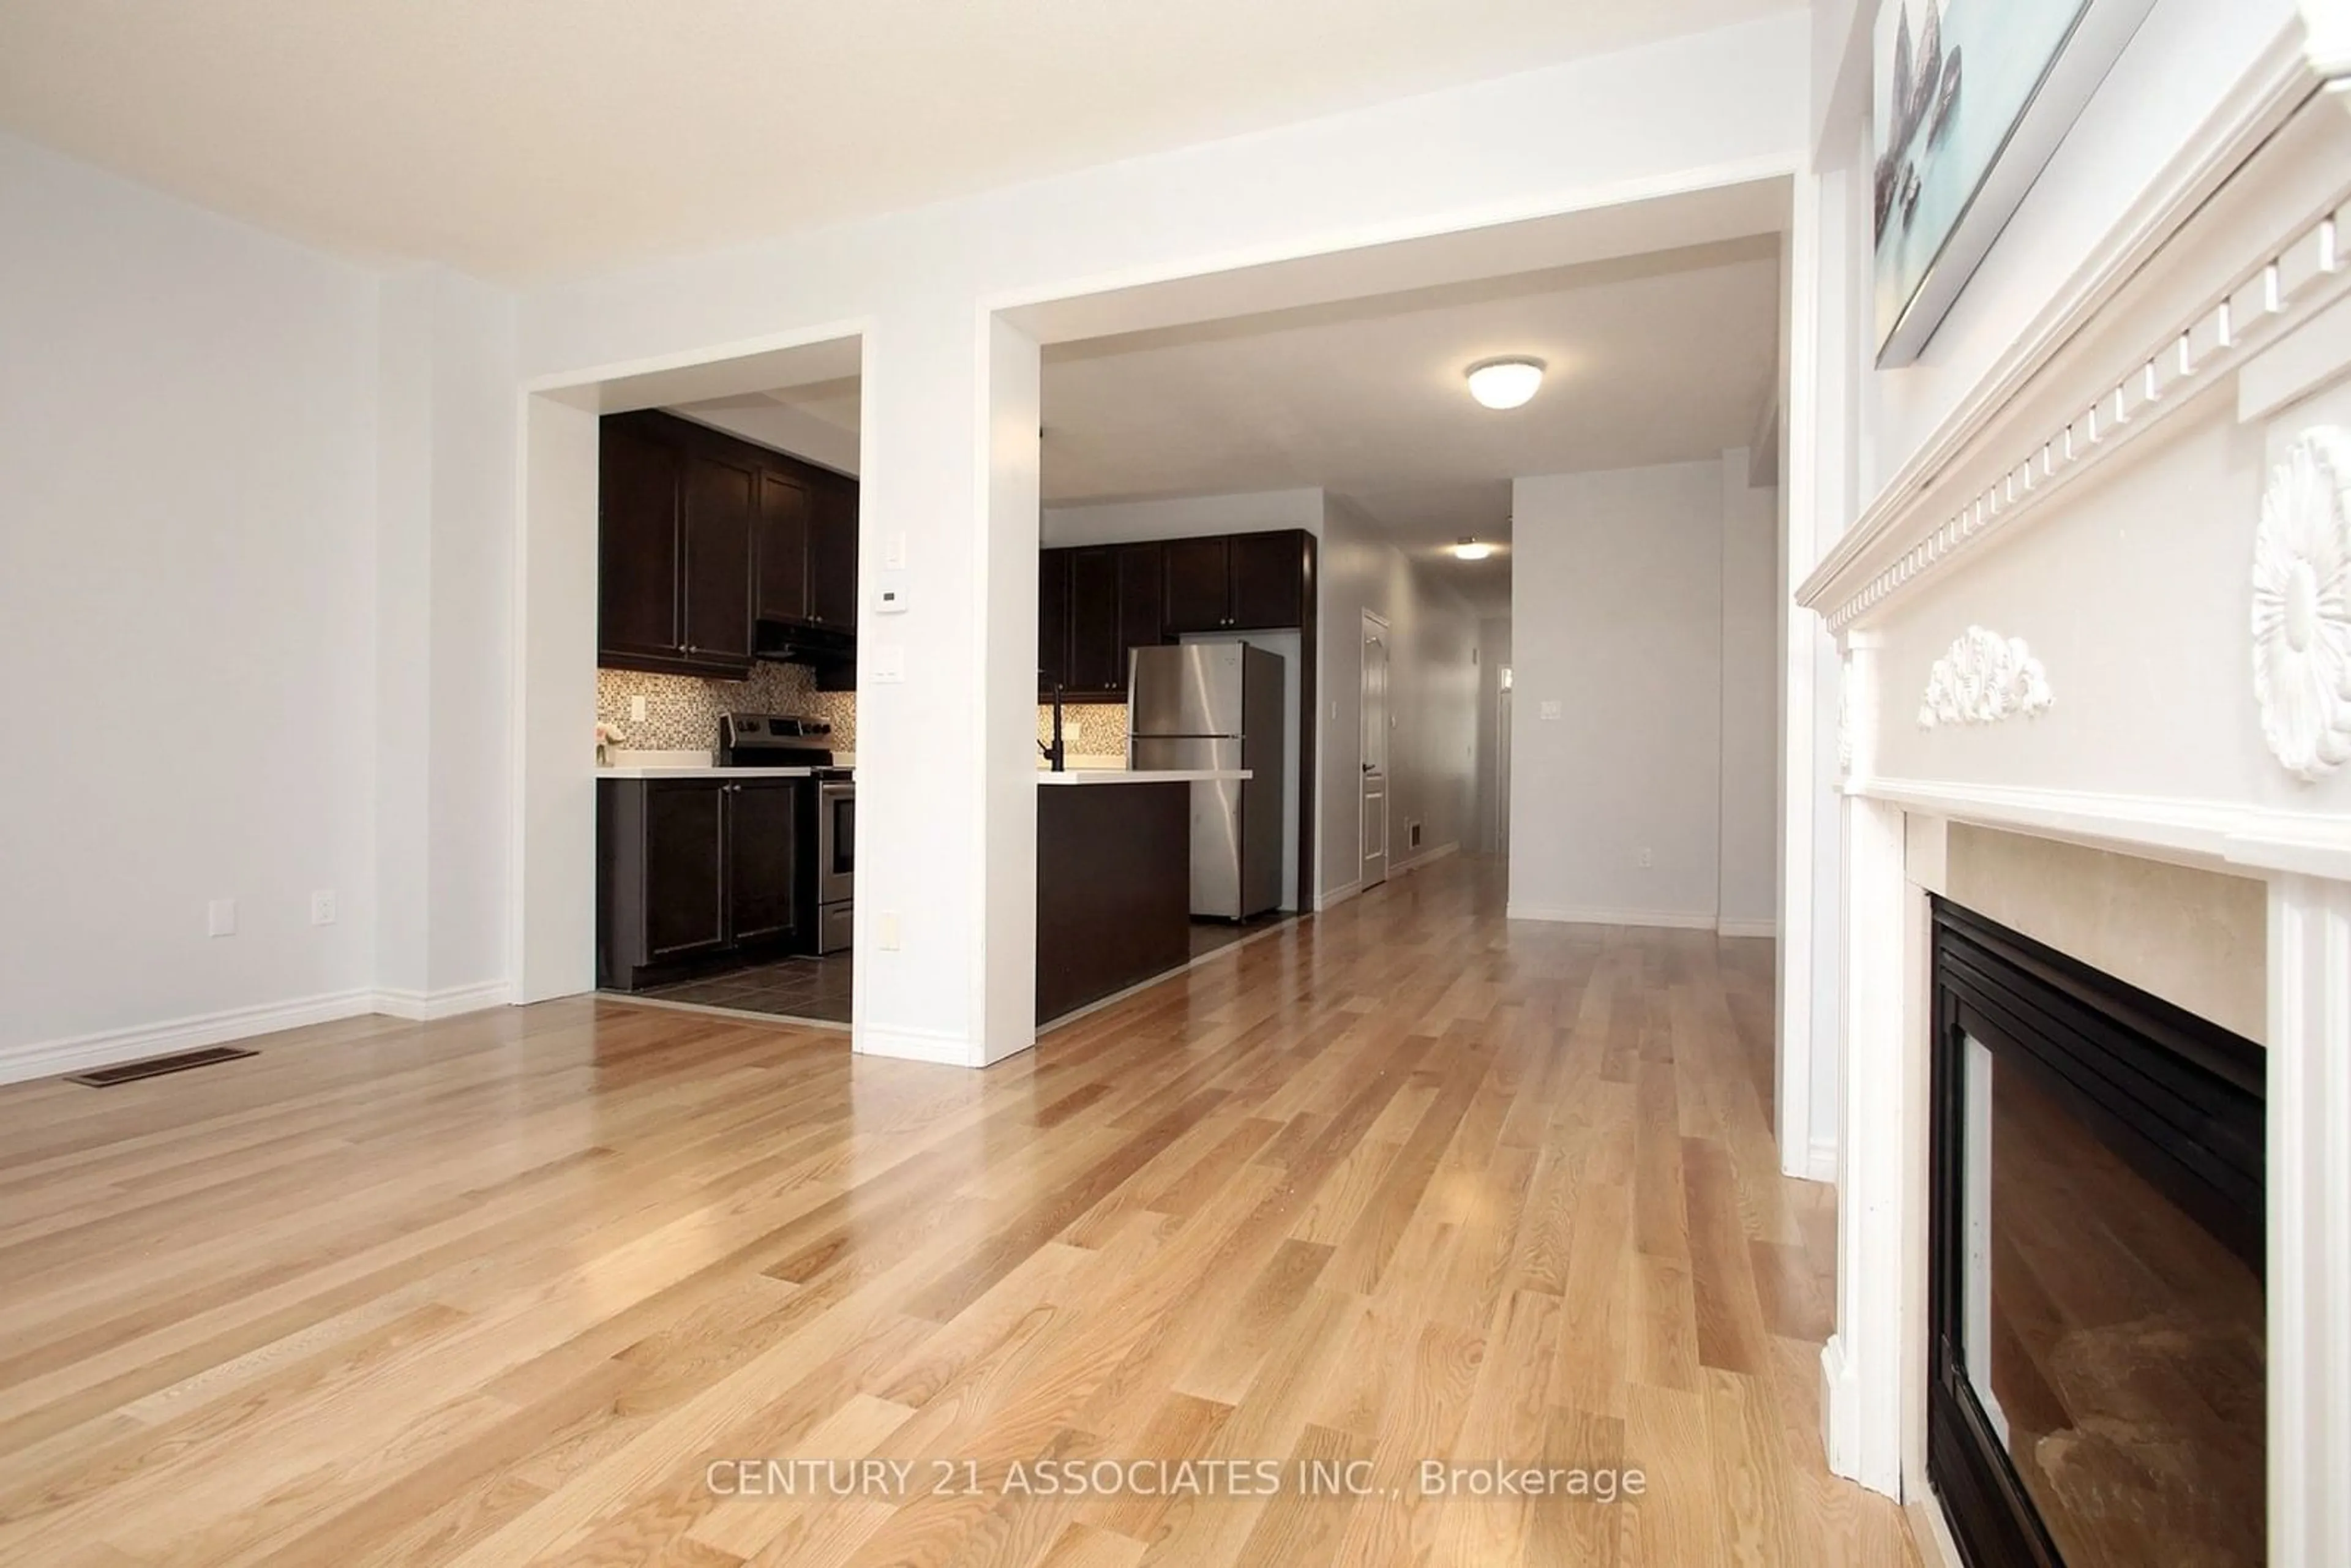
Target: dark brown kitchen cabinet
{"x":832,"y":554}
{"x":1094,"y":603}
{"x":1052,"y":621}
{"x":1142,"y":607}
{"x":722,"y":496}
{"x":1236,"y":582}
{"x":780,"y":550}
{"x":1269,"y":575}
{"x":762,"y":861}
{"x":692,"y":870}
{"x":684,"y":886}
{"x":637,"y":605}
{"x":706,"y":538}
{"x":1200,"y":585}
{"x":1097,"y":663}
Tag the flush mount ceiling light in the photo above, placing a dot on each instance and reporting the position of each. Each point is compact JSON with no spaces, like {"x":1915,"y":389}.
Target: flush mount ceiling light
{"x":1470,"y":549}
{"x":1505,"y":383}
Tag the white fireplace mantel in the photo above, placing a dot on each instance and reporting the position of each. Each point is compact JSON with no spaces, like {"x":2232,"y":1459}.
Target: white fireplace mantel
{"x":2089,"y":610}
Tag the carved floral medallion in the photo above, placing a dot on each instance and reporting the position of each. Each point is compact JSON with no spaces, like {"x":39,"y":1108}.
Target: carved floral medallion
{"x":2302,"y":606}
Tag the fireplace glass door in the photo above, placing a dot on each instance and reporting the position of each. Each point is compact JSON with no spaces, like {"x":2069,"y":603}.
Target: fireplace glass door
{"x":2098,"y":1305}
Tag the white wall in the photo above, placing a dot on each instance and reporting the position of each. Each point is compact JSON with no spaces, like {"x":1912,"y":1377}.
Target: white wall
{"x":1619,"y":618}
{"x":187,"y":579}
{"x":1748,"y":886}
{"x":786,"y":429}
{"x":1432,"y":686}
{"x":1189,"y":516}
{"x":445,"y":477}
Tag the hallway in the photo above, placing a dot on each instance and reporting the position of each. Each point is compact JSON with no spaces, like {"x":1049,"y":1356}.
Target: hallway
{"x":1401,"y":1182}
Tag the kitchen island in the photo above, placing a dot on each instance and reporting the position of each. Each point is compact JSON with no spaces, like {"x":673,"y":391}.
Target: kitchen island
{"x":1114,"y":881}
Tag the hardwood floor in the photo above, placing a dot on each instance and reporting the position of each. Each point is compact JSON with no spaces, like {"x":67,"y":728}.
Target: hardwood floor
{"x":1401,"y":1183}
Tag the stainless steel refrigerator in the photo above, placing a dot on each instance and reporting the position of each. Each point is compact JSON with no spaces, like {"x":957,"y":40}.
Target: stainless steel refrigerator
{"x":1221,"y":705}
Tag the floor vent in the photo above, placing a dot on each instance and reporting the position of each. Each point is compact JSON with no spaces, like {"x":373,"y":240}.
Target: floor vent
{"x":156,"y":1066}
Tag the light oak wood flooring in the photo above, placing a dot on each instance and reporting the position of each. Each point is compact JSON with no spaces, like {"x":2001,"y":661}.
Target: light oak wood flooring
{"x":1402,"y":1183}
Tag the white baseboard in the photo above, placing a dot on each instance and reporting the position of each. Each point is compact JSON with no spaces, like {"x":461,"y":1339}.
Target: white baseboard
{"x":941,"y":1046}
{"x":47,"y":1059}
{"x":1338,"y":895}
{"x":1422,"y":858}
{"x":1664,"y":919}
{"x":424,"y":1005}
{"x":1764,"y":927}
{"x":1821,"y":1159}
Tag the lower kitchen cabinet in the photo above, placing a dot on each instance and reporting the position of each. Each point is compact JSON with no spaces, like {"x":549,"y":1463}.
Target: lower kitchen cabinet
{"x":763,"y":859}
{"x":692,"y":870}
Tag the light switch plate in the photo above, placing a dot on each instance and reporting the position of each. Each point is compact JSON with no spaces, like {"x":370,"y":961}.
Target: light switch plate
{"x":886,"y":932}
{"x":894,"y":553}
{"x":1550,"y":709}
{"x":220,"y":918}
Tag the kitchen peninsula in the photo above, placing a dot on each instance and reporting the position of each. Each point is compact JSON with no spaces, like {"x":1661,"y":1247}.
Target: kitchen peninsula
{"x":1113,"y":880}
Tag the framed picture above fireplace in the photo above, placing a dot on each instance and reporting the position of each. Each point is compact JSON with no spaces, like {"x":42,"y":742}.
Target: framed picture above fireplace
{"x":2097,"y":1393}
{"x":1968,"y":100}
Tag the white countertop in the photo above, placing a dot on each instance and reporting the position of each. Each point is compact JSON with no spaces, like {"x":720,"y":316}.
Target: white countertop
{"x":1143,"y":776}
{"x":705,"y":770}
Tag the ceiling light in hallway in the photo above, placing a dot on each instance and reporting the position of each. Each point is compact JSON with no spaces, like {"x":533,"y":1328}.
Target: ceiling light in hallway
{"x":1470,"y":549}
{"x":1505,"y":383}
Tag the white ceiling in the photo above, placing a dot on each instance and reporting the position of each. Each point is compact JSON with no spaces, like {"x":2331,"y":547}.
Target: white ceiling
{"x":1660,"y":358}
{"x":519,"y":138}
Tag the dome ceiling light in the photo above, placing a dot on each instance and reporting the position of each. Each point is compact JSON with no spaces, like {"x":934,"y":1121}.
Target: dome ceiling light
{"x":1471,"y":548}
{"x":1505,"y":383}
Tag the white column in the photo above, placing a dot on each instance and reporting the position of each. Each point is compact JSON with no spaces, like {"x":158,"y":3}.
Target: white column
{"x":1862,"y":1367}
{"x":2309,"y":1283}
{"x":946,"y":690}
{"x":447,"y":433}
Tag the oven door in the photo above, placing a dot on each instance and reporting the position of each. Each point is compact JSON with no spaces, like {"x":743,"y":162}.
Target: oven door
{"x":836,"y":840}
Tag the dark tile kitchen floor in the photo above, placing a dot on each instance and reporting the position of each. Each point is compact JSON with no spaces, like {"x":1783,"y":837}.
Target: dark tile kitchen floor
{"x":788,"y":988}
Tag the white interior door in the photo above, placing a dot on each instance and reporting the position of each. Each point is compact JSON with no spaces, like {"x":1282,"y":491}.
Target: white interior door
{"x":1377,"y":724}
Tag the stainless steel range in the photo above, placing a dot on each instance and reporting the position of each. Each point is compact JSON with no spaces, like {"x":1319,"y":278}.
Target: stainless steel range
{"x":827,"y":828}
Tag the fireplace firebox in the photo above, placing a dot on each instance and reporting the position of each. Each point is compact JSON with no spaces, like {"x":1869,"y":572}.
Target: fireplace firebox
{"x":2095,"y":1397}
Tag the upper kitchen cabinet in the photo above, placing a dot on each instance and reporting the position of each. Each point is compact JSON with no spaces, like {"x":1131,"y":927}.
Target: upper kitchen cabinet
{"x":1095,"y":602}
{"x":1236,"y":582}
{"x":704,"y":539}
{"x":637,"y":599}
{"x":674,"y":550}
{"x":832,"y":552}
{"x":1052,"y":620}
{"x":722,"y":496}
{"x":1200,"y":585}
{"x":780,"y":550}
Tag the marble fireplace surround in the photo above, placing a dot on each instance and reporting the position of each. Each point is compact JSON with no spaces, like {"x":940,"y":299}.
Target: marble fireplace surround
{"x":2108,"y":607}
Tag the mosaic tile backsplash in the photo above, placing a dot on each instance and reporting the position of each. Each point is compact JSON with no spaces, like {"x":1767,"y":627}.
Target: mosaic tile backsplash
{"x":1088,"y":729}
{"x":682,"y":711}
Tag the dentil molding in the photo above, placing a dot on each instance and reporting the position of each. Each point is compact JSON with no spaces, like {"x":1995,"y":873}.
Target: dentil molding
{"x":2302,"y":606}
{"x":1984,"y":678}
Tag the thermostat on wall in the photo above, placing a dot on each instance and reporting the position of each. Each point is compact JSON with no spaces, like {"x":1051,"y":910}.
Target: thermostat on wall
{"x":890,"y":602}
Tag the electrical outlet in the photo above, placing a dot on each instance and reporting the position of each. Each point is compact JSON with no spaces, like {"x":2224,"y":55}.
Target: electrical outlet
{"x":1550,"y":709}
{"x":886,"y":932}
{"x":322,"y":907}
{"x":220,"y":918}
{"x":890,"y":662}
{"x":637,"y":709}
{"x":1648,"y":857}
